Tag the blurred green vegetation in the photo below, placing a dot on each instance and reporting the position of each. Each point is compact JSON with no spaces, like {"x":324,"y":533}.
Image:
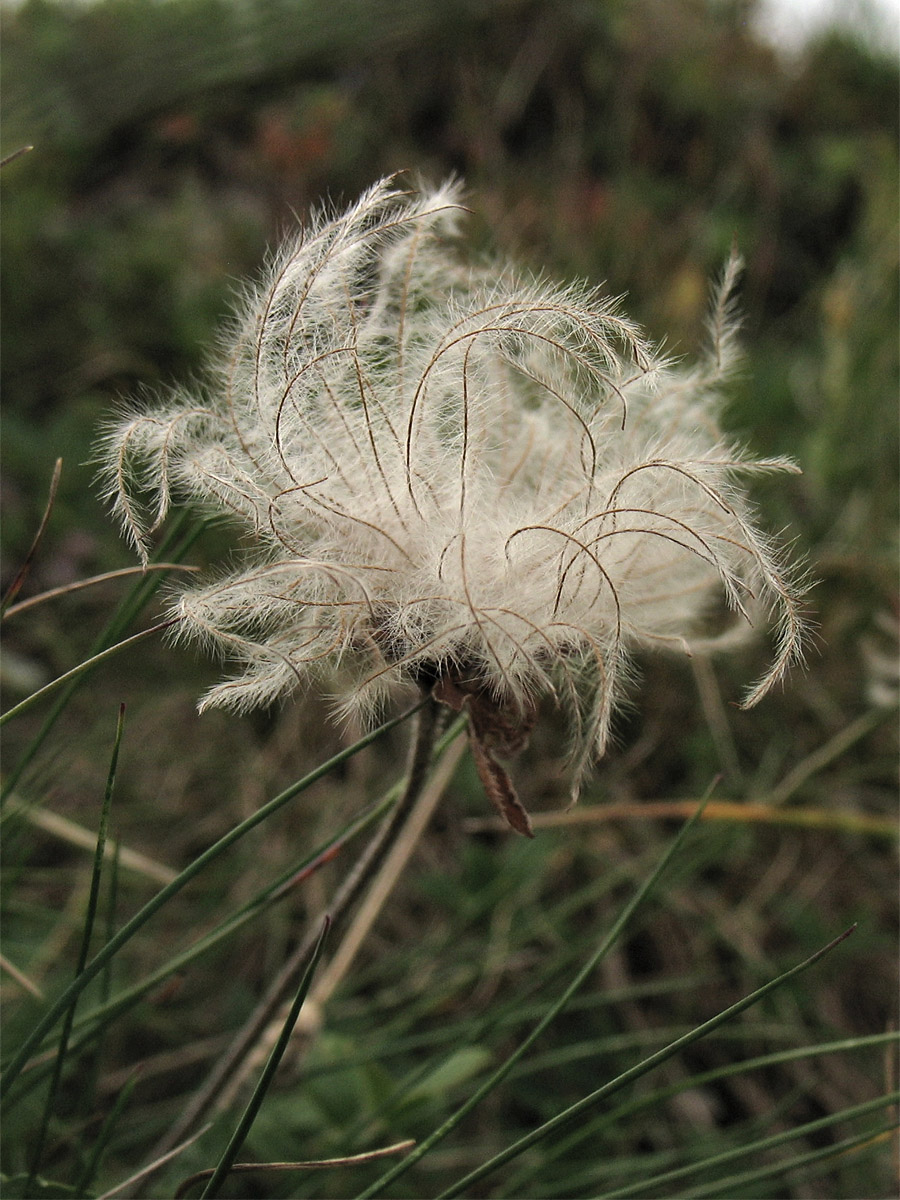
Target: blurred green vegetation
{"x":629,"y":141}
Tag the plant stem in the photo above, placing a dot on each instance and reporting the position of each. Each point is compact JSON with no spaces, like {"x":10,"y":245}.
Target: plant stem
{"x":259,"y":1092}
{"x":364,"y":870}
{"x":130,"y":928}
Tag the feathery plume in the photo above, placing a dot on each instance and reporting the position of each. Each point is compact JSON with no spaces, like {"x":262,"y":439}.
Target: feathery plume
{"x":461,"y":478}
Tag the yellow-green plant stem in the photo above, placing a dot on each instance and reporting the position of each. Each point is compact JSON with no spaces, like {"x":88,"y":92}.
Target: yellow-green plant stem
{"x":737,"y":811}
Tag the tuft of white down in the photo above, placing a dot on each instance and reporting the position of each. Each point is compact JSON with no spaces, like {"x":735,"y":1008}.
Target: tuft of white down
{"x":453,"y":470}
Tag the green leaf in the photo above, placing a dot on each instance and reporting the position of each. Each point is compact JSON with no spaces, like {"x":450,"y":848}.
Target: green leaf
{"x":464,"y":1064}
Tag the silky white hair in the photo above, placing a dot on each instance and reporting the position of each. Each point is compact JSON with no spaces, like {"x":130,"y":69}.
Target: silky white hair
{"x":456,"y":473}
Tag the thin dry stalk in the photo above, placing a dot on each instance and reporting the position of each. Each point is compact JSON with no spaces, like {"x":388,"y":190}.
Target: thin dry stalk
{"x":349,"y":892}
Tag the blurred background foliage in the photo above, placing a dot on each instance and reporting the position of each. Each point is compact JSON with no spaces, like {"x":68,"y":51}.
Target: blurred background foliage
{"x":630,"y":141}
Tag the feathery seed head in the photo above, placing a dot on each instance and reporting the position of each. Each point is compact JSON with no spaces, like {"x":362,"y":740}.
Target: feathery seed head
{"x":460,"y":477}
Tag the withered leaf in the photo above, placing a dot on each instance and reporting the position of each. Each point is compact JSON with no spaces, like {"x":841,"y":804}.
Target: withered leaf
{"x":498,"y":786}
{"x":493,"y":728}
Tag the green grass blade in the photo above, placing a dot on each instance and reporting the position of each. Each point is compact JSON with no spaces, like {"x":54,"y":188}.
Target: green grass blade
{"x":617,"y":1116}
{"x":87,"y":932}
{"x":635,"y":1072}
{"x":91,"y":1023}
{"x":83,"y":668}
{"x":727,"y":1187}
{"x":488,"y":1086}
{"x":95,"y":1019}
{"x":239,"y":1136}
{"x":133,"y":603}
{"x":162,"y":897}
{"x":115,"y":1005}
{"x":642,"y":1187}
{"x":104,"y":1135}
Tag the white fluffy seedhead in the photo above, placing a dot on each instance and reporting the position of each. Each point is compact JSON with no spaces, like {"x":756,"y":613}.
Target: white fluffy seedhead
{"x":458,"y":477}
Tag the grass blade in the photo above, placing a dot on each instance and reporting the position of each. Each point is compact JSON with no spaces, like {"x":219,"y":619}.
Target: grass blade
{"x":149,"y":1169}
{"x":617,"y":1116}
{"x":22,"y":573}
{"x":635,"y":1072}
{"x":488,"y":1086}
{"x":725,"y":1187}
{"x":93,"y":1021}
{"x":315,"y":1164}
{"x":83,"y":668}
{"x":162,"y":897}
{"x":133,"y":603}
{"x":66,"y":589}
{"x":642,"y":1187}
{"x":104,"y":1135}
{"x":259,"y":1092}
{"x":93,"y":898}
